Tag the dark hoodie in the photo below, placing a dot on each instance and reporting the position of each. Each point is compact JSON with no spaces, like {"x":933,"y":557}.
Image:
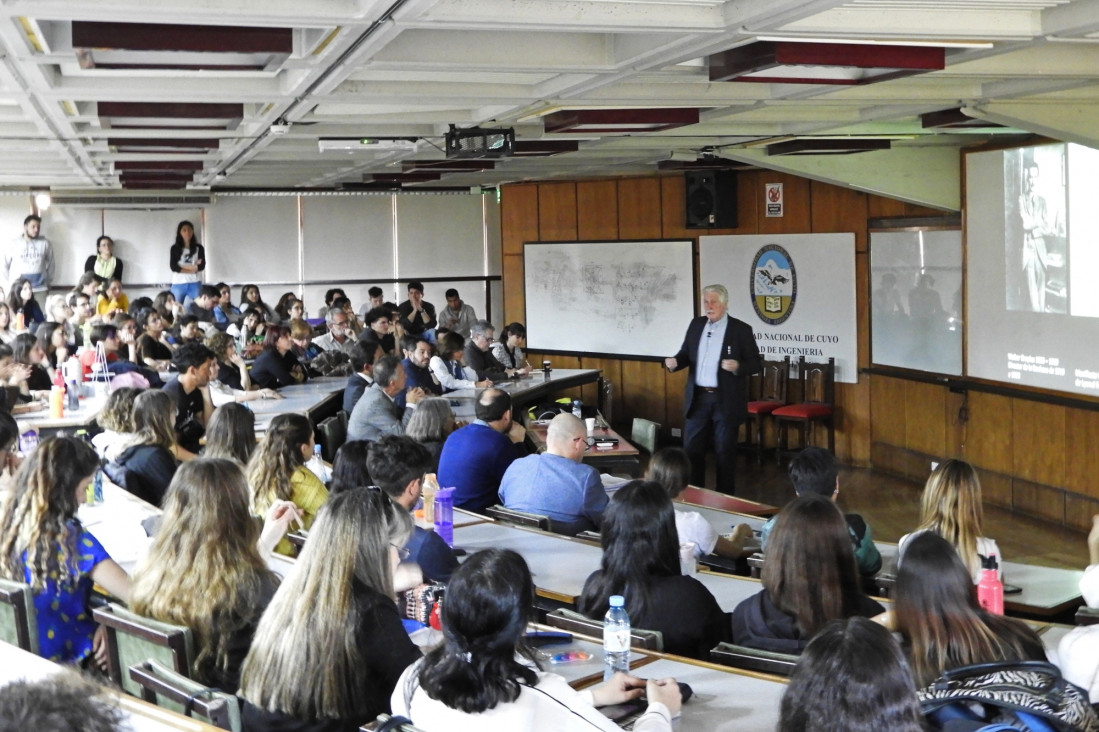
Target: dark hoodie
{"x":144,"y":470}
{"x":758,"y":623}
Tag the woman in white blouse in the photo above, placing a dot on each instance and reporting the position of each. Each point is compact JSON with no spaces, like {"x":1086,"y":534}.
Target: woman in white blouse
{"x":449,"y":366}
{"x":509,"y":350}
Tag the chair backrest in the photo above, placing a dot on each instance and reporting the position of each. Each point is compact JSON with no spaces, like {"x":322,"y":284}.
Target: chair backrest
{"x":818,"y":381}
{"x":753,"y":659}
{"x":164,"y":687}
{"x":520,"y":518}
{"x":344,"y":418}
{"x":133,"y":639}
{"x":333,"y":434}
{"x":773,"y":380}
{"x":645,"y":433}
{"x":574,"y":622}
{"x":18,"y":621}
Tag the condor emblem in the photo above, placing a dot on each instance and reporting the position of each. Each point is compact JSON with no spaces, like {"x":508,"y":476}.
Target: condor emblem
{"x":774,"y":284}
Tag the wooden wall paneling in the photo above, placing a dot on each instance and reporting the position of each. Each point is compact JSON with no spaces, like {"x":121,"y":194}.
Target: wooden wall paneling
{"x":557,"y":212}
{"x":1079,"y":510}
{"x":639,"y":208}
{"x":612,"y":369}
{"x":1039,"y":434}
{"x":797,"y":208}
{"x":1038,"y":500}
{"x":515,"y":297}
{"x":1082,"y":467}
{"x":995,"y":488}
{"x":853,"y":430}
{"x":597,"y":210}
{"x":674,"y":384}
{"x":990,"y":441}
{"x":957,"y":429}
{"x":673,"y":208}
{"x":925,"y":405}
{"x":887,"y":410}
{"x":862,"y":309}
{"x":518,"y":218}
{"x":881,"y":207}
{"x":643,"y":394}
{"x":837,"y":210}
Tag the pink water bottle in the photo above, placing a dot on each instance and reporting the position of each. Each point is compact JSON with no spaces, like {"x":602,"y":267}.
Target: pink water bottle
{"x":990,"y":590}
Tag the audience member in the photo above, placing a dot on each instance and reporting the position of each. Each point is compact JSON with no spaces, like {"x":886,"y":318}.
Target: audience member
{"x":457,"y":317}
{"x":104,"y":264}
{"x":484,"y":676}
{"x":165,"y":304}
{"x":277,"y":472}
{"x":252,"y":331}
{"x":43,"y":544}
{"x":25,"y":350}
{"x":816,"y":470}
{"x":641,"y":563}
{"x":349,"y":469}
{"x":556,"y":483}
{"x":951,"y":507}
{"x":7,"y":334}
{"x":190,"y":390}
{"x":475,"y":457}
{"x":231,"y":434}
{"x":152,"y":348}
{"x":202,"y":307}
{"x":81,"y":319}
{"x":23,"y":304}
{"x":147,"y":464}
{"x":186,"y":259}
{"x":377,"y":412}
{"x":448,"y":367}
{"x":809,"y":578}
{"x":431,"y":424}
{"x":509,"y":351}
{"x":59,"y":311}
{"x":377,"y":333}
{"x":117,"y":420}
{"x":51,"y":339}
{"x":222,"y":593}
{"x":225,"y":312}
{"x":250,"y":298}
{"x":282,"y":307}
{"x":852,"y":677}
{"x":417,"y":316}
{"x":362,"y":357}
{"x":329,"y":296}
{"x":188,"y":329}
{"x":479,"y":357}
{"x":302,"y":342}
{"x":330,"y":647}
{"x":417,"y":354}
{"x":936,"y":612}
{"x":338,"y":337}
{"x":112,"y":299}
{"x":60,"y":702}
{"x":671,"y":468}
{"x":277,"y":366}
{"x":29,"y":257}
{"x":398,"y":464}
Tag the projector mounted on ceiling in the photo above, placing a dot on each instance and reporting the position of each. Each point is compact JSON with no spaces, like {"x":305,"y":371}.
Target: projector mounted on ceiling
{"x":478,"y":142}
{"x":367,"y":144}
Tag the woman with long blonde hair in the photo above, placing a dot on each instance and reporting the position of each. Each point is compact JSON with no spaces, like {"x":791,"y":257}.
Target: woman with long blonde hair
{"x":331,"y":646}
{"x":43,"y":544}
{"x":147,"y":465}
{"x":208,"y":530}
{"x":277,"y":471}
{"x":951,"y":507}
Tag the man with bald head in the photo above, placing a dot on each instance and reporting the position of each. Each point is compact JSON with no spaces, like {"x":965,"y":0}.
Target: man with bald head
{"x":556,"y":483}
{"x":475,"y":457}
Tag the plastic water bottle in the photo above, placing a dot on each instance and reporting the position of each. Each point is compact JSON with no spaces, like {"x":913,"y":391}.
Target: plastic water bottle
{"x":317,"y":467}
{"x":444,"y":514}
{"x":616,"y":638}
{"x":577,"y":411}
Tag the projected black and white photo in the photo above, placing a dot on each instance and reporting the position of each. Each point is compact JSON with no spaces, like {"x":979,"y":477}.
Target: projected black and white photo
{"x":1036,"y":245}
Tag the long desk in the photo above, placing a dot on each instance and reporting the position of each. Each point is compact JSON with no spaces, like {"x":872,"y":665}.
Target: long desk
{"x":622,"y":457}
{"x":526,"y":391}
{"x":316,"y":399}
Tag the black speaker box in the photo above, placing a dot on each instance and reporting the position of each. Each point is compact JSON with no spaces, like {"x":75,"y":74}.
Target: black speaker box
{"x":711,"y":199}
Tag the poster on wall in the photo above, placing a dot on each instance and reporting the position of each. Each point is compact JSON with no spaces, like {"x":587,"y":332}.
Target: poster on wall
{"x":797,"y":291}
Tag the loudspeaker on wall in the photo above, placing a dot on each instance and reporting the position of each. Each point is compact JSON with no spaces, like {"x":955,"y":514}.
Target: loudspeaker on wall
{"x":711,"y":199}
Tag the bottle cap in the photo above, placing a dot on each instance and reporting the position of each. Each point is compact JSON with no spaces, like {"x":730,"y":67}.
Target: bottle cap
{"x":617,"y":601}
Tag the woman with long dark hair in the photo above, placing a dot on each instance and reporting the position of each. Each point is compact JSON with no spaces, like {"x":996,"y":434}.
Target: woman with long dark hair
{"x":27,"y":351}
{"x":330,"y":646}
{"x":231,"y":433}
{"x":852,"y":677}
{"x":937,"y":614}
{"x":277,"y":366}
{"x":250,"y":298}
{"x":809,"y":578}
{"x":483,"y":675}
{"x":21,"y":301}
{"x":641,"y":563}
{"x":349,"y":468}
{"x":152,"y":348}
{"x":187,"y":259}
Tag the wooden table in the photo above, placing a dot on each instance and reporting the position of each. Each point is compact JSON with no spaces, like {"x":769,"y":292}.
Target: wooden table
{"x":713,"y":499}
{"x":623,"y":457}
{"x":526,"y":391}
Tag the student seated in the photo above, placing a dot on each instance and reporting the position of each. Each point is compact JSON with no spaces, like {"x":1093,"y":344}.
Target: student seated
{"x":43,"y":544}
{"x":147,"y":464}
{"x":816,"y":470}
{"x":431,"y":425}
{"x":60,"y":701}
{"x":556,"y":483}
{"x":951,"y":507}
{"x":1078,"y":651}
{"x":809,"y":578}
{"x":671,"y":468}
{"x":277,"y":365}
{"x":852,"y":677}
{"x":206,"y":528}
{"x":484,"y":678}
{"x":232,"y":434}
{"x":117,"y":420}
{"x":641,"y":563}
{"x":330,"y":647}
{"x":936,"y":612}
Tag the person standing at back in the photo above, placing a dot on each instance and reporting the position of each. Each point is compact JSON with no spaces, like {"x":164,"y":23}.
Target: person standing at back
{"x":29,"y":256}
{"x":457,"y":317}
{"x":187,"y":258}
{"x":721,"y":353}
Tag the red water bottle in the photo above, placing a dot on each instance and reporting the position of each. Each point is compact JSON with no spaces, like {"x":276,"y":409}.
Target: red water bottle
{"x":990,"y":590}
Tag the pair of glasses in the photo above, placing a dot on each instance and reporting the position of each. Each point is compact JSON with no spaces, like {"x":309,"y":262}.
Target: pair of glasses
{"x":402,"y":551}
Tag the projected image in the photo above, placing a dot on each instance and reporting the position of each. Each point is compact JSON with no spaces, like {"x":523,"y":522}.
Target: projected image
{"x":1036,"y":248}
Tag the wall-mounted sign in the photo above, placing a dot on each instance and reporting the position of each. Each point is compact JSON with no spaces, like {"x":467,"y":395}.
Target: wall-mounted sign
{"x":772,"y":193}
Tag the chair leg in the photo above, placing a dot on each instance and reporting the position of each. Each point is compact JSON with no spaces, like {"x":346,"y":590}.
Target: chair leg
{"x":759,"y":439}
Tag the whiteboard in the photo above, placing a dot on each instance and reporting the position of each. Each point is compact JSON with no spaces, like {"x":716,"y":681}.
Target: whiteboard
{"x":626,"y":298}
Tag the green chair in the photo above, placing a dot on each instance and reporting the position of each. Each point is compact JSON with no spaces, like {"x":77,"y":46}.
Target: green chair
{"x":645,"y":433}
{"x":333,"y":434}
{"x":18,"y":621}
{"x":164,"y":687}
{"x":132,"y":640}
{"x":753,"y":659}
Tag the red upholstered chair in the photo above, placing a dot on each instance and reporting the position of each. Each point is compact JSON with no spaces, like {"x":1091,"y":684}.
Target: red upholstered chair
{"x":766,"y":393}
{"x":817,"y":406}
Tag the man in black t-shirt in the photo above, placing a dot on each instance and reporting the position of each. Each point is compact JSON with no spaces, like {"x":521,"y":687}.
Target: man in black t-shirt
{"x":190,"y":390}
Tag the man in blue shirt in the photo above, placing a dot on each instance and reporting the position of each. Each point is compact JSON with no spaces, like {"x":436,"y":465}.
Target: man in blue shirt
{"x":397,"y":465}
{"x":475,"y":457}
{"x":556,"y":483}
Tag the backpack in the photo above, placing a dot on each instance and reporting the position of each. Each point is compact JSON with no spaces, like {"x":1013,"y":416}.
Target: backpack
{"x":1025,"y":695}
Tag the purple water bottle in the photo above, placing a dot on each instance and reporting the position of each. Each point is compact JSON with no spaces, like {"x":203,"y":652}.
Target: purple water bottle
{"x":444,"y":514}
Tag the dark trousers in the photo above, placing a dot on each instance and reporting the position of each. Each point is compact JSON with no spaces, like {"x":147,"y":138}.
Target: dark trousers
{"x":706,"y":419}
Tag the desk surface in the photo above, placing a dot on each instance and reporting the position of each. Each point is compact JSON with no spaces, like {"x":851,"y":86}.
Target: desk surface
{"x":300,"y":398}
{"x":713,"y":499}
{"x":527,"y":390}
{"x":536,"y":433}
{"x":82,"y":417}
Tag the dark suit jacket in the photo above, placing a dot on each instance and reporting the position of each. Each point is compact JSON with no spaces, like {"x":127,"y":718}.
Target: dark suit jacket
{"x":356,"y":385}
{"x":740,"y":343}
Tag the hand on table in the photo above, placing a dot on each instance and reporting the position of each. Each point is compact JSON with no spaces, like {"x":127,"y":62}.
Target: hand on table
{"x":483,"y":383}
{"x":621,"y":687}
{"x":665,"y":691}
{"x":741,"y":534}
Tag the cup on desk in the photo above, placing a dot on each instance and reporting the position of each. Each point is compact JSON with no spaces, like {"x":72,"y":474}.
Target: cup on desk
{"x":546,"y":369}
{"x":589,"y":422}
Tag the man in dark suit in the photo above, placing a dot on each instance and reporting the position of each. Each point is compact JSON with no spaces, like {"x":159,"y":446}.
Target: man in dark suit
{"x":363,"y":356}
{"x":721,"y":353}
